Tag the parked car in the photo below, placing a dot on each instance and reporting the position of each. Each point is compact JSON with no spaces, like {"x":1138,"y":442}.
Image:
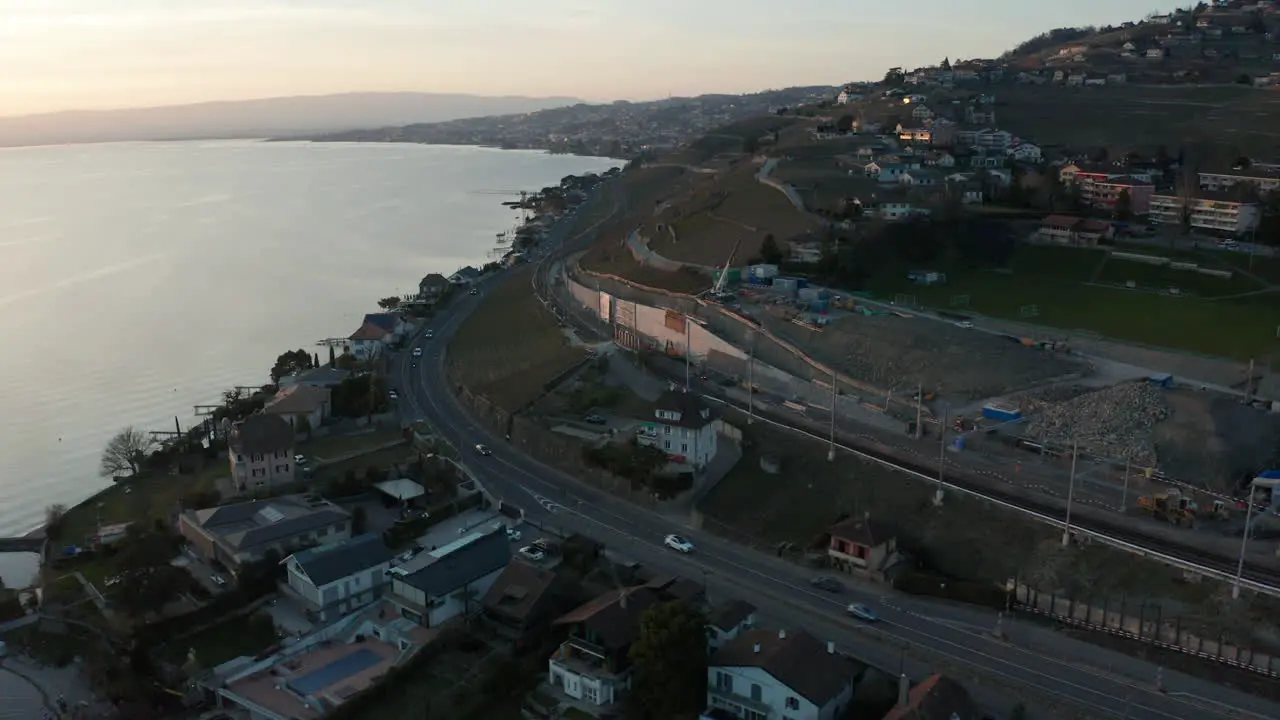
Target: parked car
{"x":218,"y":580}
{"x":677,"y":543}
{"x":827,"y":583}
{"x":481,"y":449}
{"x":965,"y":324}
{"x":532,"y":553}
{"x":300,"y":460}
{"x":862,"y":612}
{"x":513,"y":534}
{"x":596,"y":419}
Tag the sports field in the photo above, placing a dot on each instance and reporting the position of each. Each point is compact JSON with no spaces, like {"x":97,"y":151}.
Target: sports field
{"x":1064,"y":288}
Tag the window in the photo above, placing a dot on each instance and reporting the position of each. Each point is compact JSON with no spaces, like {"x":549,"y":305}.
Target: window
{"x":724,"y":681}
{"x":684,"y":448}
{"x":666,"y":429}
{"x":756,"y":693}
{"x":793,"y":703}
{"x":666,"y":444}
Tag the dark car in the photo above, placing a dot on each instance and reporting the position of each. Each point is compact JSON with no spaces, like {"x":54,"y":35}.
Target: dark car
{"x":596,"y":419}
{"x":826,"y":583}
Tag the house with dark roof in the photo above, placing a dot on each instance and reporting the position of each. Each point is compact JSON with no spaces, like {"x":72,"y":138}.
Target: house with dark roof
{"x":436,"y":586}
{"x":729,"y":620}
{"x":432,"y":286}
{"x":860,"y":545}
{"x":937,"y":697}
{"x":683,"y":427}
{"x":593,"y":664}
{"x":465,"y":276}
{"x":260,"y":450}
{"x":779,"y":674}
{"x":331,"y":581}
{"x":522,"y":602}
{"x":248,"y":531}
{"x":376,"y":332}
{"x":326,"y":377}
{"x":297,"y":403}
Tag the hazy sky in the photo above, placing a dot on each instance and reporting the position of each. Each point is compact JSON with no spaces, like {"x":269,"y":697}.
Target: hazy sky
{"x":64,"y":54}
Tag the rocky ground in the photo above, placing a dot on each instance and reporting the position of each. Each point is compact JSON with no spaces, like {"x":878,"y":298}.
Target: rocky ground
{"x":900,"y":353}
{"x":1114,"y":422}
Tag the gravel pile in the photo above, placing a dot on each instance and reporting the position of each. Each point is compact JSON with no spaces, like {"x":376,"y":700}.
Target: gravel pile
{"x":1115,"y":422}
{"x":898,"y":353}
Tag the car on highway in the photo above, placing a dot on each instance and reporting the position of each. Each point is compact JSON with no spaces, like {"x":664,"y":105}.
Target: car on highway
{"x":862,"y":612}
{"x":393,"y":394}
{"x":417,"y":352}
{"x":429,"y":334}
{"x":481,"y":449}
{"x":473,"y":291}
{"x":677,"y":543}
{"x":827,"y":583}
{"x":533,"y":553}
{"x":965,"y":324}
{"x":218,"y":580}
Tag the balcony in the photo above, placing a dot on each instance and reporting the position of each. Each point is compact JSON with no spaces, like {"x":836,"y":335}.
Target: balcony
{"x":584,"y":658}
{"x":740,"y":705}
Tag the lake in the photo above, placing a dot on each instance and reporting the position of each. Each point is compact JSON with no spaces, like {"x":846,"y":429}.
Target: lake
{"x":140,"y":279}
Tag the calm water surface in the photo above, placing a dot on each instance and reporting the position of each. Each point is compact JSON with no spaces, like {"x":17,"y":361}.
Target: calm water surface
{"x":140,"y":279}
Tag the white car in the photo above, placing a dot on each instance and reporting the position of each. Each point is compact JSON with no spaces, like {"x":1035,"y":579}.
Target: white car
{"x":513,"y":534}
{"x":481,"y":449}
{"x":532,"y":553}
{"x":299,"y":459}
{"x":429,"y":334}
{"x":218,"y":580}
{"x":417,"y":352}
{"x":965,"y":324}
{"x":677,"y":543}
{"x":393,"y":394}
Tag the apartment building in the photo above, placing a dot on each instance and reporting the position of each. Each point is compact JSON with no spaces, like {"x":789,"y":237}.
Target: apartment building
{"x":1216,"y":212}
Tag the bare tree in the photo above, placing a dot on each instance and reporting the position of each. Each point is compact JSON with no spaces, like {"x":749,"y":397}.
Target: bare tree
{"x":125,"y":452}
{"x":53,"y":518}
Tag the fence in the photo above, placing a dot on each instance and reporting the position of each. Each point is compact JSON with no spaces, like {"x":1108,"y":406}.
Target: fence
{"x":1148,"y":626}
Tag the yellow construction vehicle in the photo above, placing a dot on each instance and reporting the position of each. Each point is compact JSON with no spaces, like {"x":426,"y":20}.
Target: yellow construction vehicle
{"x":1170,"y":506}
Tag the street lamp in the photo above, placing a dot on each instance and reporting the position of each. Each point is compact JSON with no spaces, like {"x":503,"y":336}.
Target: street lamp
{"x":1071,"y":491}
{"x":1244,"y":540}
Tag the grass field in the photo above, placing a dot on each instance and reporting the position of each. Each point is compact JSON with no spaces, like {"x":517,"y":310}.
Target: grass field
{"x":511,"y":346}
{"x":332,"y":447}
{"x":1053,"y":280}
{"x":147,"y":499}
{"x":452,"y":685}
{"x":1135,"y":116}
{"x":243,"y":635}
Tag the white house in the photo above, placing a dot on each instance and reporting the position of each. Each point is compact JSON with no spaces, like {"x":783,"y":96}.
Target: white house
{"x":260,"y":453}
{"x":682,"y":427}
{"x":465,"y":276}
{"x":331,"y":581}
{"x":847,"y":96}
{"x":439,"y":585}
{"x":1026,"y":152}
{"x":728,"y":621}
{"x":776,"y":674}
{"x":298,"y":402}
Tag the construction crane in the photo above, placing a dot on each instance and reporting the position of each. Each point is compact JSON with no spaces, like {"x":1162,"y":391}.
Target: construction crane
{"x":718,"y":290}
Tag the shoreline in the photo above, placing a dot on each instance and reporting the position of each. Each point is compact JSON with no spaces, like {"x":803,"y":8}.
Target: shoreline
{"x":38,"y":530}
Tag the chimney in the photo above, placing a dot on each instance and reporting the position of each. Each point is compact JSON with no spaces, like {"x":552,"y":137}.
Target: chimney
{"x":904,"y":689}
{"x":755,"y":648}
{"x":782,"y":634}
{"x":831,"y":647}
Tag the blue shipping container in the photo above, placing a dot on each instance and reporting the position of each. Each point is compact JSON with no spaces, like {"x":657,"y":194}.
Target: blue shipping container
{"x":802,"y":283}
{"x":819,"y":306}
{"x":757,"y":280}
{"x":1001,"y":414}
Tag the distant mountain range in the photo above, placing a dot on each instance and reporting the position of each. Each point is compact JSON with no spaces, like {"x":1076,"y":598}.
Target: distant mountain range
{"x":271,"y":117}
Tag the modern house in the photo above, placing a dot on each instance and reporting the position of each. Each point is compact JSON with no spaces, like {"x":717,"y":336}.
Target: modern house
{"x":1219,"y":212}
{"x":522,"y":602}
{"x":859,"y":545}
{"x":432,"y":287}
{"x":260,"y":450}
{"x":331,"y":581}
{"x":465,"y":276}
{"x":1026,"y":152}
{"x":436,"y":586}
{"x":728,"y":621}
{"x":682,"y":427}
{"x":592,"y":664}
{"x":763,"y":674}
{"x":325,"y":377}
{"x":936,"y":698}
{"x":301,"y":402}
{"x":249,"y":531}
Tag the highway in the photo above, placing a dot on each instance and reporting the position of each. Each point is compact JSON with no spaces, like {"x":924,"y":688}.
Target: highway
{"x":920,"y":635}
